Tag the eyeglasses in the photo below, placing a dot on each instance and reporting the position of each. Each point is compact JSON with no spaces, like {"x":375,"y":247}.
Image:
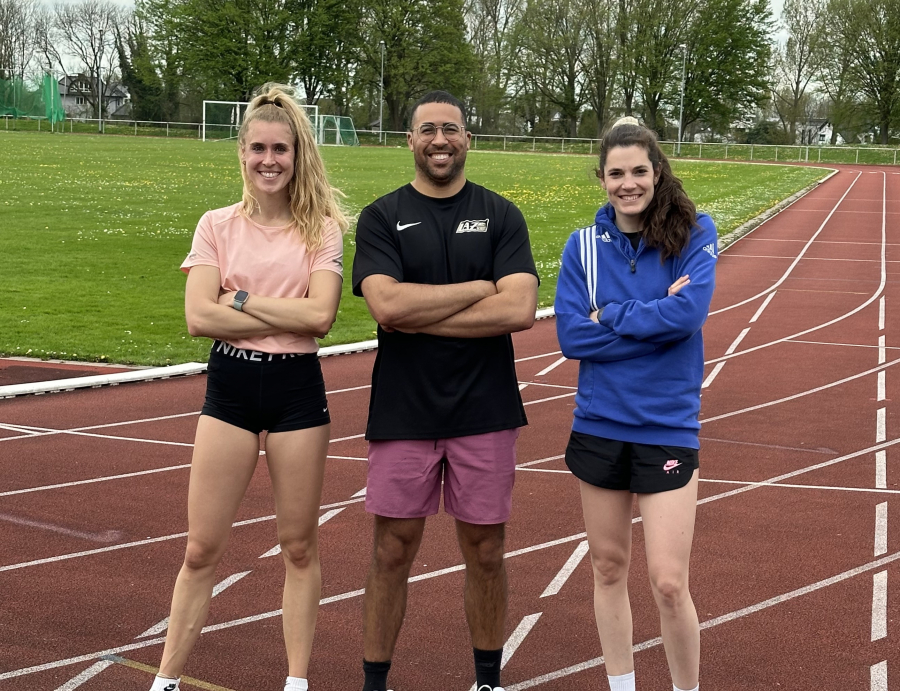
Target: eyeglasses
{"x":451,"y":131}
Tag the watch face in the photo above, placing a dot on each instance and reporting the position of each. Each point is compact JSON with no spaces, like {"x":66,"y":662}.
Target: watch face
{"x":241,"y":296}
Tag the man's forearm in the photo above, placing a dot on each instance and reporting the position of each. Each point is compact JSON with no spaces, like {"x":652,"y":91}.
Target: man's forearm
{"x":412,"y":305}
{"x":496,"y":315}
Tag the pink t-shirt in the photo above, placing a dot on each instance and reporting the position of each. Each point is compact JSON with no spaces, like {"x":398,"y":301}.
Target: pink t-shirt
{"x":263,"y":260}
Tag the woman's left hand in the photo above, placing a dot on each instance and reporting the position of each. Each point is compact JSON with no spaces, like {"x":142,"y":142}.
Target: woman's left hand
{"x":227,"y":298}
{"x":595,"y":316}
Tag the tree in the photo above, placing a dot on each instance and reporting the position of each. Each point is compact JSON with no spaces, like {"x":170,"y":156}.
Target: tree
{"x":17,"y":37}
{"x":139,"y":75}
{"x":873,"y":26}
{"x":491,"y":35}
{"x":80,"y":37}
{"x":552,"y":36}
{"x":797,"y":62}
{"x":836,"y":73}
{"x":425,"y":49}
{"x":662,"y":26}
{"x":600,"y":59}
{"x":727,"y":62}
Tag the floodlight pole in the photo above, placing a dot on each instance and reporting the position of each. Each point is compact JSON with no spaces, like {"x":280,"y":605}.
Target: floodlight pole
{"x":381,"y":97}
{"x":681,"y":107}
{"x":100,"y":85}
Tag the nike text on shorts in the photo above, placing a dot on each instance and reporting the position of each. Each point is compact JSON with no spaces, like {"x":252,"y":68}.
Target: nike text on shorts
{"x":638,"y":468}
{"x":478,"y":473}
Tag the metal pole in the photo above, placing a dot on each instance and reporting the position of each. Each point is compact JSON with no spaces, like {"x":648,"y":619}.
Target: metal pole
{"x":381,"y":97}
{"x":681,"y":107}
{"x":100,"y":85}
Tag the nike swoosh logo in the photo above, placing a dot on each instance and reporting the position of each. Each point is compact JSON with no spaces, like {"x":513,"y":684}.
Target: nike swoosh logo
{"x":407,"y":225}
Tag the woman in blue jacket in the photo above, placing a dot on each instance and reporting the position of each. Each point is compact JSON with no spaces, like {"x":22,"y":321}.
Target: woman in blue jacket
{"x":634,"y":290}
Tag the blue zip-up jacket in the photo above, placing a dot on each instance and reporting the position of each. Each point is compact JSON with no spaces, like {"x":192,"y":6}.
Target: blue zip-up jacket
{"x":642,"y":364}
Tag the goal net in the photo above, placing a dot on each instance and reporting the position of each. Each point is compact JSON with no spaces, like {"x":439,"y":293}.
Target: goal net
{"x":337,"y":129}
{"x":222,"y":119}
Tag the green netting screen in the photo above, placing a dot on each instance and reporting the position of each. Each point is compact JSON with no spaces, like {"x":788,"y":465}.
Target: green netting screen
{"x":21,"y":100}
{"x":337,"y":129}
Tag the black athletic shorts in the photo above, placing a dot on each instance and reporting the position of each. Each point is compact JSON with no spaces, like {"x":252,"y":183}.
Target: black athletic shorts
{"x":261,"y":391}
{"x":623,"y":465}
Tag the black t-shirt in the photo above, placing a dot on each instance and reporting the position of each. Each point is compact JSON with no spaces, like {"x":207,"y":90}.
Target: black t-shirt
{"x":435,"y":387}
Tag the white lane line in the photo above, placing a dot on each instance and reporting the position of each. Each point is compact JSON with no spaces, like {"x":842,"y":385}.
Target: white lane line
{"x":842,"y":345}
{"x":881,"y":470}
{"x":880,"y":291}
{"x":795,"y":396}
{"x":710,"y":623}
{"x":552,"y":398}
{"x":879,"y":606}
{"x":95,"y":479}
{"x":157,"y":629}
{"x":578,"y":536}
{"x":356,"y":593}
{"x":361,"y":493}
{"x":882,"y":351}
{"x":324,"y":518}
{"x":121,"y":476}
{"x":763,"y":306}
{"x":86,"y":675}
{"x":796,"y":259}
{"x":881,"y":314}
{"x":737,"y":341}
{"x":360,"y":436}
{"x":516,"y":637}
{"x":781,"y":447}
{"x":49,"y":431}
{"x":549,"y":369}
{"x":26,"y":431}
{"x":880,"y":425}
{"x":541,"y":460}
{"x":105,"y":536}
{"x":712,"y":375}
{"x":538,"y":357}
{"x":878,"y":673}
{"x":830,"y":488}
{"x":148,"y":541}
{"x":567,"y":570}
{"x":543,"y":470}
{"x":523,"y":384}
{"x":881,"y":528}
{"x":881,"y":386}
{"x":348,"y":458}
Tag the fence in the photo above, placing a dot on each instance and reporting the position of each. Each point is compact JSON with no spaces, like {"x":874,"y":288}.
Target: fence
{"x":512,"y":143}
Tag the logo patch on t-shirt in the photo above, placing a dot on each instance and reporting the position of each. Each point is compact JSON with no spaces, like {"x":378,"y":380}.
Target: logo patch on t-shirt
{"x":473,"y":226}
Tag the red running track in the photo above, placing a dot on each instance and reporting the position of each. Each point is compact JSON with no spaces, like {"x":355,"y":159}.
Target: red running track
{"x":795,"y":573}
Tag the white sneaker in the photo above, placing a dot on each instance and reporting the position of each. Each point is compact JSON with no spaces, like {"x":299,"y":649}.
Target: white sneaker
{"x":485,"y":687}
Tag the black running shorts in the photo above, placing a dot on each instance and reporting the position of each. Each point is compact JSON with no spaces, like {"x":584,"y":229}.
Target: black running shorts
{"x":622,"y":465}
{"x":260,"y":391}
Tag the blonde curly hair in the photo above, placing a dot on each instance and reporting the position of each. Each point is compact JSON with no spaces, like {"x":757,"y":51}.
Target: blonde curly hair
{"x":312,"y":198}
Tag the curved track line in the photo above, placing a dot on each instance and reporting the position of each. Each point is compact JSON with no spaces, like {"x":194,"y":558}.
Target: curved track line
{"x":868,"y":302}
{"x":796,"y":260}
{"x":808,"y":392}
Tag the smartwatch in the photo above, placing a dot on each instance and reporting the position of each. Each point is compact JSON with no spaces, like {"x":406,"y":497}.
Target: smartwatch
{"x":239,"y":299}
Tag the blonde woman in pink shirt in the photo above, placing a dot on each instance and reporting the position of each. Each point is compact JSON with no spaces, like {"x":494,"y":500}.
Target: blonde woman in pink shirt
{"x":264,"y":281}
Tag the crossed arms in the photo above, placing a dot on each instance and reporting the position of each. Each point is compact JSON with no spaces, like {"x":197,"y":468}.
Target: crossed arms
{"x":474,"y":309}
{"x":209,"y":312}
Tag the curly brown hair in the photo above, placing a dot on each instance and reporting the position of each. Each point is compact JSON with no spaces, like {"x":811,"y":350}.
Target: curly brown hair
{"x":668,"y":219}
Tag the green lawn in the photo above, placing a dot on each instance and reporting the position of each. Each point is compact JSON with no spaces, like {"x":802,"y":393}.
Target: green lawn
{"x":93,"y":229}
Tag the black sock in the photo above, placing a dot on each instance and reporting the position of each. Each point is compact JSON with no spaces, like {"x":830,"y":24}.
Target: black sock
{"x":376,"y":675}
{"x":487,"y":667}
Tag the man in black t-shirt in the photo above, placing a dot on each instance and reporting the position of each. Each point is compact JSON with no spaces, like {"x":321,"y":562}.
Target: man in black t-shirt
{"x":446,"y":269}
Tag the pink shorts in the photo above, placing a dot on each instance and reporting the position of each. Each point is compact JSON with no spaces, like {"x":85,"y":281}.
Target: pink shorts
{"x":478,"y":475}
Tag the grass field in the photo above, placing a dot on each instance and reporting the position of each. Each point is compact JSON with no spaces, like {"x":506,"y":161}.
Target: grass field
{"x":93,"y":229}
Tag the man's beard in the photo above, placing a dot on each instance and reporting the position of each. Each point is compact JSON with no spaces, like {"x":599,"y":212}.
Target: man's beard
{"x":446,"y":177}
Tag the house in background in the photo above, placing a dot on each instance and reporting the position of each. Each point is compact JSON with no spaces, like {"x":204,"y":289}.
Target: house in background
{"x":75,"y":93}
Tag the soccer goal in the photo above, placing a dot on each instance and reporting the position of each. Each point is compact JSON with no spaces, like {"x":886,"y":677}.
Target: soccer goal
{"x":222,"y":120}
